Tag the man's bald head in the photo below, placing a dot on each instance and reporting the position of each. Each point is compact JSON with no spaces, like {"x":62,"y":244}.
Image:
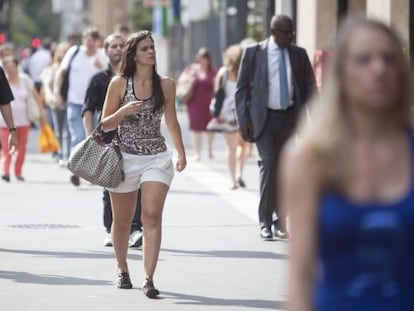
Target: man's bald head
{"x":281,"y":28}
{"x":280,"y":21}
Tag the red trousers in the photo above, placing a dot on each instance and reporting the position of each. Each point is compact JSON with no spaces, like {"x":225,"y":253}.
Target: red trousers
{"x":20,"y":154}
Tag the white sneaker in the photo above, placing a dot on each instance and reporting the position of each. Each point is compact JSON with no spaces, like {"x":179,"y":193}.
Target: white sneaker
{"x":108,"y":240}
{"x":135,"y":239}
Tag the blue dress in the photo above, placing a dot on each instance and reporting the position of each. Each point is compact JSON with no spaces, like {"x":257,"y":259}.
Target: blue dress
{"x":366,"y":254}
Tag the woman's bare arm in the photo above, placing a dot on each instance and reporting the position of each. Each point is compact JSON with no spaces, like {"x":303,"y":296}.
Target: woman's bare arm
{"x":168,"y":86}
{"x":300,"y":192}
{"x":112,"y":113}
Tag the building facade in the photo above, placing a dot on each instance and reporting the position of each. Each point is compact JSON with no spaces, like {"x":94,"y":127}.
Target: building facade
{"x":317,"y":21}
{"x":105,"y":14}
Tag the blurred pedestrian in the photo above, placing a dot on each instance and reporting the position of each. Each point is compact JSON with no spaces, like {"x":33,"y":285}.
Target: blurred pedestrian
{"x":348,"y":182}
{"x":225,"y":119}
{"x":278,"y":77}
{"x":22,"y":87}
{"x":38,"y":61}
{"x":6,"y":96}
{"x":122,"y":30}
{"x":57,"y":109}
{"x":6,"y":50}
{"x":134,"y":105}
{"x":82,"y":62}
{"x":95,"y":97}
{"x":199,"y":98}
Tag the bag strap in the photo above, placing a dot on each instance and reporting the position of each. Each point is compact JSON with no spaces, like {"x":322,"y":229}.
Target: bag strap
{"x":72,"y":57}
{"x":223,"y":79}
{"x":97,"y":136}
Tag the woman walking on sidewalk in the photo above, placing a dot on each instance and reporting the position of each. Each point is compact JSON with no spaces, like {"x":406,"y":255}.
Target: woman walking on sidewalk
{"x":22,"y":88}
{"x":134,"y":105}
{"x":224,"y":114}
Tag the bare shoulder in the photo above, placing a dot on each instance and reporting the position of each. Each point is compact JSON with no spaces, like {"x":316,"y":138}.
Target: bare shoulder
{"x":167,"y":82}
{"x":118,"y":81}
{"x":168,"y":85}
{"x":299,"y":163}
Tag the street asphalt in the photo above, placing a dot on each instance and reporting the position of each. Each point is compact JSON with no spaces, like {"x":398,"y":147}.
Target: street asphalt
{"x":212,"y":258}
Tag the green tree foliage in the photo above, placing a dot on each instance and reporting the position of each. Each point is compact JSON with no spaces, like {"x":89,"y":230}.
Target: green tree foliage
{"x":33,"y":18}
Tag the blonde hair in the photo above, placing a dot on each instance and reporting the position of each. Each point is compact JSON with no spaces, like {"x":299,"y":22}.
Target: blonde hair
{"x":328,"y":133}
{"x":60,"y":52}
{"x":231,"y":58}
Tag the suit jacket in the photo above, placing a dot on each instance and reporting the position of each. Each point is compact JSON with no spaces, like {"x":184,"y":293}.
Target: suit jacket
{"x":302,"y":78}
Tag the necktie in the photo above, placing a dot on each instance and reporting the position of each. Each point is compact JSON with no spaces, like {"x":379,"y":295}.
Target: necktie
{"x":283,"y":81}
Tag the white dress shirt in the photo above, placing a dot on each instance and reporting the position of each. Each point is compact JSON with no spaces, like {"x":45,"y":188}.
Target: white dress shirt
{"x":273,"y":54}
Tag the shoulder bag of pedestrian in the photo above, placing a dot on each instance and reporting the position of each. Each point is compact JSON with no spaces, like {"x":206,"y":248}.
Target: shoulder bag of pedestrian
{"x":185,"y":84}
{"x":65,"y":82}
{"x":98,"y":162}
{"x":217,"y":101}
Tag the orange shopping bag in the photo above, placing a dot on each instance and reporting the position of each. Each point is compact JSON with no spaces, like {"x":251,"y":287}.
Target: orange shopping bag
{"x":47,"y":139}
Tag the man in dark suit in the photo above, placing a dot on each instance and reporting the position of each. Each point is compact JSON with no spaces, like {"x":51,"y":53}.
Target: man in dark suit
{"x":274,"y":82}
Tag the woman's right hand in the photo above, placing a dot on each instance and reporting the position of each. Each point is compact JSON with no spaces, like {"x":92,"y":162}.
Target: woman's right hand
{"x":132,"y":108}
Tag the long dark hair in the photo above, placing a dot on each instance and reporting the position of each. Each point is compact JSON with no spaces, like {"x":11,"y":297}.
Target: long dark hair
{"x":128,"y":66}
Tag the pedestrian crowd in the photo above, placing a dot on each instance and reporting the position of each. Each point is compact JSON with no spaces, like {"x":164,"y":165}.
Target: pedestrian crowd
{"x":334,"y":174}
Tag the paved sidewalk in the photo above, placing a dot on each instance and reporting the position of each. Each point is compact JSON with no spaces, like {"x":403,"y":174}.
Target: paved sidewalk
{"x":52,"y":258}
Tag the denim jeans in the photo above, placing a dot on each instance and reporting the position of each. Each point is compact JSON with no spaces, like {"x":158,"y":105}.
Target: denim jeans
{"x":60,"y":127}
{"x":75,"y":124}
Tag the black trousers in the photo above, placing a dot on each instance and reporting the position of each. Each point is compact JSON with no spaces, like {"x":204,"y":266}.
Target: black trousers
{"x":107,"y":213}
{"x":278,"y":128}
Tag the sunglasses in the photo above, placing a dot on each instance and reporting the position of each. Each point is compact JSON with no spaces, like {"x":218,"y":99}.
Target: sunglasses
{"x":286,"y":33}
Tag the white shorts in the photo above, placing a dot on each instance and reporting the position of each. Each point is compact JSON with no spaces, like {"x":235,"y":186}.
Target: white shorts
{"x":141,"y":168}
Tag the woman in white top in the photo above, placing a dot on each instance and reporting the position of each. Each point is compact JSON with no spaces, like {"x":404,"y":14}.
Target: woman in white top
{"x":22,"y":87}
{"x":58,"y":113}
{"x":226,"y":121}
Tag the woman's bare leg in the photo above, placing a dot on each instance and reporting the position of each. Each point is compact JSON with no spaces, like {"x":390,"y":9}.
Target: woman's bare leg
{"x":153,"y":196}
{"x":197,"y":140}
{"x":123,"y":209}
{"x":210,"y":138}
{"x":231,"y":141}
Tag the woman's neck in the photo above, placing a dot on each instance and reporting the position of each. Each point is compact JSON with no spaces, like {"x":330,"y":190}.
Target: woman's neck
{"x":373,"y":125}
{"x":204,"y":68}
{"x":143,"y":75}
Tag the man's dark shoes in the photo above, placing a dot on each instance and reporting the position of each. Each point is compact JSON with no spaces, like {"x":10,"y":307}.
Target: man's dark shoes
{"x":266,"y":234}
{"x":123,"y":280}
{"x":6,"y":177}
{"x":149,"y":289}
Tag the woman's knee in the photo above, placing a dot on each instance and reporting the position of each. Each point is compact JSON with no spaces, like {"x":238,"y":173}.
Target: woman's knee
{"x":121,"y":225}
{"x":150,"y":218}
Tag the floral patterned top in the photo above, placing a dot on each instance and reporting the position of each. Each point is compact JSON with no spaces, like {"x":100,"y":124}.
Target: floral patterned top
{"x":140,"y":134}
